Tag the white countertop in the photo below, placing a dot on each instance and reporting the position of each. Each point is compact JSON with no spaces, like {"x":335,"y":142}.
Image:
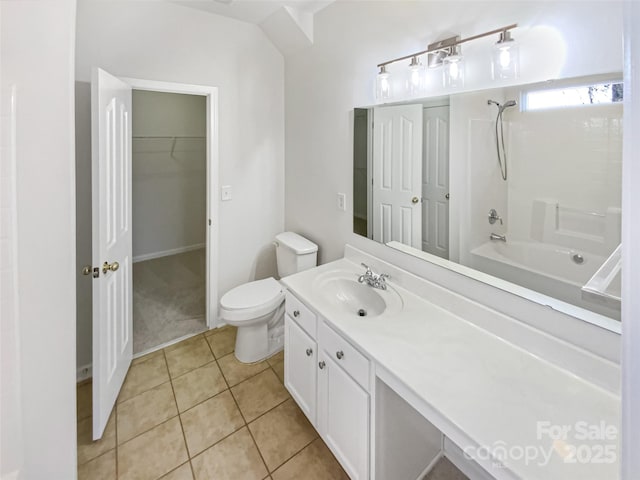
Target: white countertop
{"x":493,"y":391}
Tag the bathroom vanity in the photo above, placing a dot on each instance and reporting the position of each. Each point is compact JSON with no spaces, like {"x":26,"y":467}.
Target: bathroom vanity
{"x":394,"y":379}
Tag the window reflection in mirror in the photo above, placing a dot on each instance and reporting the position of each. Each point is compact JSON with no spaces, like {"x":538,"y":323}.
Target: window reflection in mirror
{"x":528,"y":195}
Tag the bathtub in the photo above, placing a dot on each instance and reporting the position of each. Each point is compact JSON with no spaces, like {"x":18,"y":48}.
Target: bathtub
{"x":545,"y":268}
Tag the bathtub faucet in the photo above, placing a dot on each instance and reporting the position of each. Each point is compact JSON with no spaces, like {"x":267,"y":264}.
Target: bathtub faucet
{"x":495,"y":236}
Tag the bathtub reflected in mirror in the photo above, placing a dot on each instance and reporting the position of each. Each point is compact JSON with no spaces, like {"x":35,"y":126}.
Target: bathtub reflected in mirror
{"x":520,"y":183}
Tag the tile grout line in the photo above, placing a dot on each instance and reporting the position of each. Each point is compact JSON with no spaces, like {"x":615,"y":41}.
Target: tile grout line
{"x":116,"y":429}
{"x":175,"y":399}
{"x":296,"y":453}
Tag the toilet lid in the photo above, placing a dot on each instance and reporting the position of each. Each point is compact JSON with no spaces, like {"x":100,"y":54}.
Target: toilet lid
{"x":252,"y":294}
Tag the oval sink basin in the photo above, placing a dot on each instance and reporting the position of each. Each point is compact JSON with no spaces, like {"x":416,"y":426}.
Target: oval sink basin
{"x":343,"y":292}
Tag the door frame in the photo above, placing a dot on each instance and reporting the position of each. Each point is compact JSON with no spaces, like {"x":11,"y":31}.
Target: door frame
{"x":213,"y":167}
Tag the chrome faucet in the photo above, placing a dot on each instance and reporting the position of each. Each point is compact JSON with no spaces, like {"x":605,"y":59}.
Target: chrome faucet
{"x":495,"y":236}
{"x":493,"y":216}
{"x":375,"y":280}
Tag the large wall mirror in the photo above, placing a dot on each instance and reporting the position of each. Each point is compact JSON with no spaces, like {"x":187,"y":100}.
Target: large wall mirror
{"x":522,"y":184}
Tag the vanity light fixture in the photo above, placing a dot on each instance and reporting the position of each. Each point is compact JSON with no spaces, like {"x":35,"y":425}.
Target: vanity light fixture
{"x":506,"y":59}
{"x":453,"y":69}
{"x":447,"y":53}
{"x":417,"y":77}
{"x":383,"y":84}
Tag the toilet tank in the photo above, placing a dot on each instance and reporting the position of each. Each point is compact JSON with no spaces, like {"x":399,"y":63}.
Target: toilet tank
{"x":294,"y":253}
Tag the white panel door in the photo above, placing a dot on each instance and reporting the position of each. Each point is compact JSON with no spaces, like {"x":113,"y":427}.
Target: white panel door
{"x":343,"y":417}
{"x":435,"y":182}
{"x":397,"y":173}
{"x":300,"y":367}
{"x":112,"y":247}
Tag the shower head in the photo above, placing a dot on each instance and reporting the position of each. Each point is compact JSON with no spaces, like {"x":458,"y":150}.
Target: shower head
{"x":501,"y":108}
{"x":507,"y":104}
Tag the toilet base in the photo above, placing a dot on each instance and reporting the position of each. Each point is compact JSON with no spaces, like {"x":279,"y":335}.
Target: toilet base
{"x":257,"y":342}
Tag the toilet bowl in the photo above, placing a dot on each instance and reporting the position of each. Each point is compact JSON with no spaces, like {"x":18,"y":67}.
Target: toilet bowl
{"x":257,"y":308}
{"x":253,"y":308}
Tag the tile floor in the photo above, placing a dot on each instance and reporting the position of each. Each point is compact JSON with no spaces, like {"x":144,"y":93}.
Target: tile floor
{"x":192,"y":411}
{"x":168,"y":298}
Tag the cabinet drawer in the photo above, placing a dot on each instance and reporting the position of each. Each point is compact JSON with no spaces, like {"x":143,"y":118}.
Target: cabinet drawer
{"x":352,"y":361}
{"x":301,"y":314}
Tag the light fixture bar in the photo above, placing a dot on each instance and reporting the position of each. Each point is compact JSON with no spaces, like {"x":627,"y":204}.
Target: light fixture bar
{"x":449,"y":43}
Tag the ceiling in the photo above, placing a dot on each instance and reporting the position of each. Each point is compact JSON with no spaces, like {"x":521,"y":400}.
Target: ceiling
{"x":254,"y":11}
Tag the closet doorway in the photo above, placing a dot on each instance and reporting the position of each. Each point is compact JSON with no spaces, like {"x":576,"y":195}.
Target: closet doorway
{"x":171,"y":215}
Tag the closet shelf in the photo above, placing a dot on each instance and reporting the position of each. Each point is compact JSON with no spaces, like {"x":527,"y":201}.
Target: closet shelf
{"x":169,"y":136}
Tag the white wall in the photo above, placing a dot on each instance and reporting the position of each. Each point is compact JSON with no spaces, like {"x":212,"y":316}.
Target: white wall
{"x":172,"y":43}
{"x":169,"y":189}
{"x":38,"y":248}
{"x":325,"y":82}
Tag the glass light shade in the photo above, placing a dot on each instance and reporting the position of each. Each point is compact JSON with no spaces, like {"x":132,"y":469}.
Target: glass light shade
{"x":416,"y":78}
{"x":505,"y":58}
{"x":453,"y":71}
{"x":383,"y":85}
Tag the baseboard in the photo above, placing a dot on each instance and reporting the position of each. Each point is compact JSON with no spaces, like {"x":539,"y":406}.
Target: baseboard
{"x":83,"y":373}
{"x":430,"y":467}
{"x":466,"y":465}
{"x":166,"y":253}
{"x":15,"y":475}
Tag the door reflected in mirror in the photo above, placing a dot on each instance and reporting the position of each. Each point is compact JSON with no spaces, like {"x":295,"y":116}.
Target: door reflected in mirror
{"x":521,"y":183}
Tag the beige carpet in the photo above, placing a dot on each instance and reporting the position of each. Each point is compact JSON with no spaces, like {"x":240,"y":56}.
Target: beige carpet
{"x":168,"y":299}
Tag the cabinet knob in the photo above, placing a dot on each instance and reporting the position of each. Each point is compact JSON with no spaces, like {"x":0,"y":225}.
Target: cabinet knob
{"x":309,"y":352}
{"x":296,"y":313}
{"x":321,"y":365}
{"x":340,"y":354}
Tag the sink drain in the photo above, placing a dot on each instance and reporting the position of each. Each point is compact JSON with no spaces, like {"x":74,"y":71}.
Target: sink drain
{"x":362,"y":312}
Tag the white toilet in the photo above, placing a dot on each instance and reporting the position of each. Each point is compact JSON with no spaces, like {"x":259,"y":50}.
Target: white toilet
{"x":257,"y":308}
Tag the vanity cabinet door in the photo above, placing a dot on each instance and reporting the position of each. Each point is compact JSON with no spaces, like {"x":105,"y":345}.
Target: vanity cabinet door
{"x":300,"y":371}
{"x":343,"y":417}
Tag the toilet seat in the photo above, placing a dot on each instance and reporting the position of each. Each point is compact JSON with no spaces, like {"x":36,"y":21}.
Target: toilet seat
{"x":251,"y":300}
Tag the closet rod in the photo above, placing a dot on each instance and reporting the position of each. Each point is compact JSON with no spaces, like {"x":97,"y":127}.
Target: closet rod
{"x":168,"y":136}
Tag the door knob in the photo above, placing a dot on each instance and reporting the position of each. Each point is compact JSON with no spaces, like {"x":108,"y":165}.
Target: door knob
{"x":296,"y":313}
{"x":340,"y":354}
{"x":415,"y":200}
{"x":446,"y":196}
{"x":110,"y":266}
{"x":321,"y":365}
{"x":309,"y":352}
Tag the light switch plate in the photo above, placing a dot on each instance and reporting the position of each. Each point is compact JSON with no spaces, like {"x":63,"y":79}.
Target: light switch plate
{"x":342,"y":202}
{"x":225,"y":193}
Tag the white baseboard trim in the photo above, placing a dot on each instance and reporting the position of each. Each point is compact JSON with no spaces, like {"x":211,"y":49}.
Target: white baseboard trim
{"x":429,"y":467}
{"x":467,"y":466}
{"x":166,"y":253}
{"x":84,"y":372}
{"x":15,"y":475}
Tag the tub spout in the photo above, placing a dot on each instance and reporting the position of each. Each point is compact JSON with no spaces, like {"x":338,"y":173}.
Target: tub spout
{"x":495,"y":236}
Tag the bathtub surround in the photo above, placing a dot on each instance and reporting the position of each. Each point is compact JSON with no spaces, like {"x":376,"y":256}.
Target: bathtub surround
{"x":166,"y":42}
{"x":562,"y":196}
